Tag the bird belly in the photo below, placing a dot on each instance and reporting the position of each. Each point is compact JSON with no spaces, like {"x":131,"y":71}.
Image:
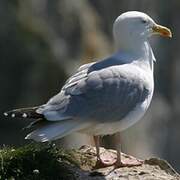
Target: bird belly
{"x":130,"y":119}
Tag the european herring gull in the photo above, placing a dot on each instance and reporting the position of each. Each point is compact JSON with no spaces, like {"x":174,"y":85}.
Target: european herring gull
{"x":103,"y":97}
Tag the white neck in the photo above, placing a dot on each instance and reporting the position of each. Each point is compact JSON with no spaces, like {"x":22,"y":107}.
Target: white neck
{"x":140,"y":49}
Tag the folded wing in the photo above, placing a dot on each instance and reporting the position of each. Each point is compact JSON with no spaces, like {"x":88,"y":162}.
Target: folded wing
{"x":107,"y":93}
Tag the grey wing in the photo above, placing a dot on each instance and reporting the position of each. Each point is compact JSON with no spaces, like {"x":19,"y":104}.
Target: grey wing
{"x":80,"y":74}
{"x":55,"y":108}
{"x":98,"y":95}
{"x":108,"y":94}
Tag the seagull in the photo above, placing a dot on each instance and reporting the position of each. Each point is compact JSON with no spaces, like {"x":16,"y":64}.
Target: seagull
{"x":103,"y":97}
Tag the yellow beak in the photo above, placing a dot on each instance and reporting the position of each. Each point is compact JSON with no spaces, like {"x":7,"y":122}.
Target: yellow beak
{"x":161,"y":30}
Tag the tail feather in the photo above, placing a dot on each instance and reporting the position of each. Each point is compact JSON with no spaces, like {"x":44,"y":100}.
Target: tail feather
{"x":45,"y":130}
{"x":36,"y":124}
{"x":52,"y":131}
{"x":24,"y":113}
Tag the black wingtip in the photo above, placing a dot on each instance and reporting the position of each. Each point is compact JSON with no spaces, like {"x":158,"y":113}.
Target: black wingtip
{"x":13,"y":114}
{"x":23,"y":113}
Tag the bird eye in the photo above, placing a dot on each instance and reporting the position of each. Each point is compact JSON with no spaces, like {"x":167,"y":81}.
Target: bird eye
{"x":144,"y":21}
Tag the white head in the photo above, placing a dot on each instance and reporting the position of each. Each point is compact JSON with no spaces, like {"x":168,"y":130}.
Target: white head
{"x":132,"y":29}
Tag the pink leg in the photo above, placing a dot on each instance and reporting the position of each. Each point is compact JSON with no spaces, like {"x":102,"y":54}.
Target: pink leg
{"x":101,"y":163}
{"x":118,"y":149}
{"x":128,"y":161}
{"x":108,"y":160}
{"x":97,"y":145}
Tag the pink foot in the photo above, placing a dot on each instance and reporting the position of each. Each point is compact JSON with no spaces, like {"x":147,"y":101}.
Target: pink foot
{"x":109,"y":159}
{"x":128,"y":161}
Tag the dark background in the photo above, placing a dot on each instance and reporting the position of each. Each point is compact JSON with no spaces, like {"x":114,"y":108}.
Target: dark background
{"x":42,"y":42}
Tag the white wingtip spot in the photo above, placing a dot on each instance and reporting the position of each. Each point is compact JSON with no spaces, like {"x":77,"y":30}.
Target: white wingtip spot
{"x":5,"y":114}
{"x":27,"y":137}
{"x":24,"y":115}
{"x":13,"y":115}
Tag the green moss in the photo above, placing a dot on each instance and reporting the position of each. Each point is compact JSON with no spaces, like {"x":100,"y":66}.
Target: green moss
{"x":38,"y":161}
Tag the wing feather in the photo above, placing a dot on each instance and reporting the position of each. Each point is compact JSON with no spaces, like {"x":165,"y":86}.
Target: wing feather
{"x":99,"y":94}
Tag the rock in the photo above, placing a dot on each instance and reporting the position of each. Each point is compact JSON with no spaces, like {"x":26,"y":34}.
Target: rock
{"x":42,"y":161}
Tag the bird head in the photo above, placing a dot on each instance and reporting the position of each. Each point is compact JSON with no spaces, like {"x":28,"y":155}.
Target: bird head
{"x":133,"y":27}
